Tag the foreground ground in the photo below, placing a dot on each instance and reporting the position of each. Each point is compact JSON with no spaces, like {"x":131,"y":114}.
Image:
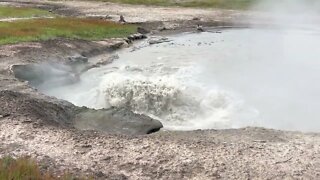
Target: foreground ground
{"x":229,"y":154}
{"x":35,"y":125}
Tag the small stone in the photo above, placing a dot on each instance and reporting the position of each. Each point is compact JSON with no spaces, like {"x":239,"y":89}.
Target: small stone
{"x":260,"y":141}
{"x":200,"y":28}
{"x":27,"y":121}
{"x":107,"y":17}
{"x":78,"y":59}
{"x":195,"y":19}
{"x":162,"y":28}
{"x":159,"y":40}
{"x":100,"y":174}
{"x":4,"y":115}
{"x":122,"y":19}
{"x":86,"y":146}
{"x":108,"y":158}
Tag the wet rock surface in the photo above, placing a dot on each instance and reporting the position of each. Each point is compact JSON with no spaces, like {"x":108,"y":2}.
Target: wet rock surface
{"x":133,"y":37}
{"x":116,"y":120}
{"x":61,"y":113}
{"x":77,"y":60}
{"x":158,"y":40}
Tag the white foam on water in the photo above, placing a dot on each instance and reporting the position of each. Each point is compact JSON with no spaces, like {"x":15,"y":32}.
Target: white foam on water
{"x":172,"y":98}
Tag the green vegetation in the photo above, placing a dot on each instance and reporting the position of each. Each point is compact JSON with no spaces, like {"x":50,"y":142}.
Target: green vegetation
{"x":228,"y":4}
{"x":72,"y":28}
{"x":26,"y":168}
{"x":17,"y":12}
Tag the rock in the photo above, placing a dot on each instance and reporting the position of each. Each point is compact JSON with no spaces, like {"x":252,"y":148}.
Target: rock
{"x":77,"y":59}
{"x":196,"y":19}
{"x":162,"y":28}
{"x":102,"y":62}
{"x":86,"y":146}
{"x":95,"y":16}
{"x":100,"y":174}
{"x":117,"y":45}
{"x":159,"y":40}
{"x":200,"y":28}
{"x":116,"y":121}
{"x":143,"y":30}
{"x":54,"y":111}
{"x":131,"y":37}
{"x":27,"y":121}
{"x":4,"y":115}
{"x":128,"y":41}
{"x":122,"y":19}
{"x":108,"y":17}
{"x":108,"y":60}
{"x":136,"y":36}
{"x":36,"y":107}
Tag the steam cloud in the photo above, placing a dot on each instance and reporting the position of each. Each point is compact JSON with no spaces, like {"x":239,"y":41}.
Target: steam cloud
{"x":287,"y":13}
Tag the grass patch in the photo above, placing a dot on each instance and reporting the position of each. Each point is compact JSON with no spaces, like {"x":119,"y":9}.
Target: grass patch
{"x":19,"y":169}
{"x":71,"y":28}
{"x":18,"y":12}
{"x":227,"y":4}
{"x":26,"y":168}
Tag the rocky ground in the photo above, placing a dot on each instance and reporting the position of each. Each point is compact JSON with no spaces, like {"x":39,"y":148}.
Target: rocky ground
{"x":43,"y":127}
{"x":251,"y":153}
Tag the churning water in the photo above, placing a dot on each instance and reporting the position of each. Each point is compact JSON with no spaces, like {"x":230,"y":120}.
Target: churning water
{"x":232,"y":79}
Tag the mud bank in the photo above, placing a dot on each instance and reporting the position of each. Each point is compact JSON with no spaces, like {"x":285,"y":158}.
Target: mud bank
{"x":43,"y":127}
{"x":26,"y":101}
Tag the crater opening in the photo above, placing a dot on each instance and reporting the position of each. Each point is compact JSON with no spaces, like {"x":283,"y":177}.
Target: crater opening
{"x":221,"y":79}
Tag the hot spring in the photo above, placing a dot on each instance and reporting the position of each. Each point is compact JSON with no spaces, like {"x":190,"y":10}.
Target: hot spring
{"x":212,"y":80}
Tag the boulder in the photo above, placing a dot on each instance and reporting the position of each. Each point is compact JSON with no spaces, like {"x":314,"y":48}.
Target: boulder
{"x":40,"y":108}
{"x":159,"y":40}
{"x":136,"y":36}
{"x":77,"y":60}
{"x":116,"y":121}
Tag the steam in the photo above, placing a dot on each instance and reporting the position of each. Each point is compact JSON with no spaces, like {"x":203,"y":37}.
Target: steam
{"x":46,"y":75}
{"x":286,"y":14}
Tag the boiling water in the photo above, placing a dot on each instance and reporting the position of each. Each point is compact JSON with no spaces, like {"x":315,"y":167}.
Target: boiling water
{"x":232,"y":79}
